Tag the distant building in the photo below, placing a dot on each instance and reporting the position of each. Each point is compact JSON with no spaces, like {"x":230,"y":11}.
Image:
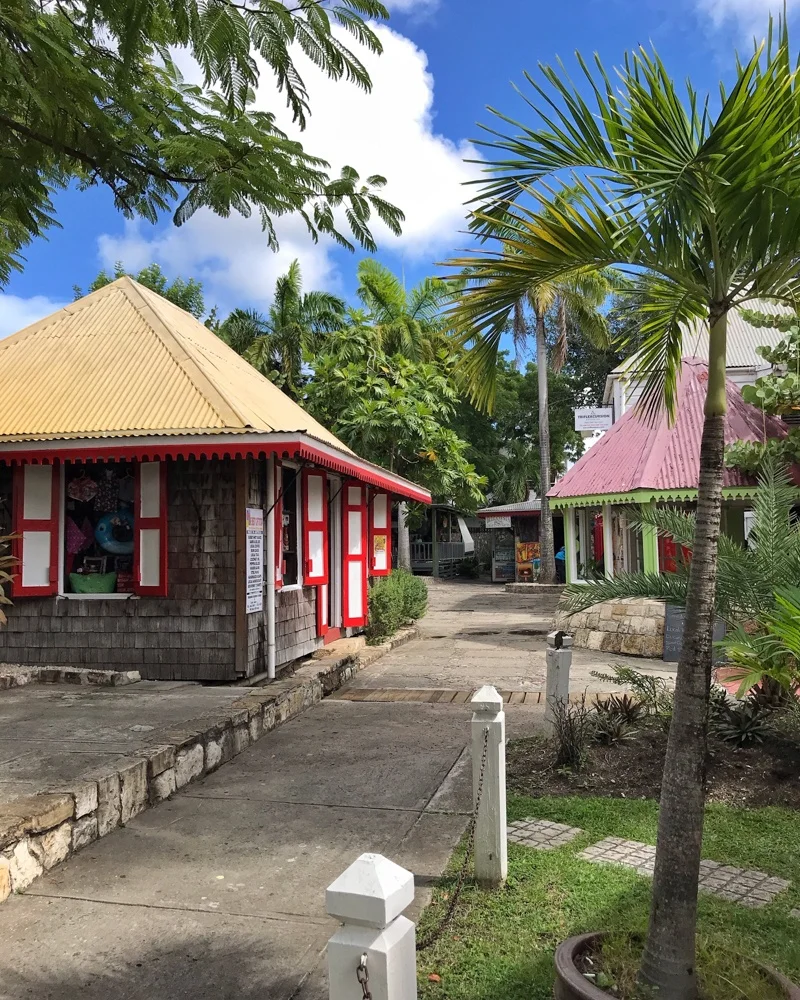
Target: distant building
{"x":744,"y":365}
{"x":640,"y":462}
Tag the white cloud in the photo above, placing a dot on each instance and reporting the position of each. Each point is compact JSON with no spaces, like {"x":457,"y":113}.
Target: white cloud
{"x":389,"y":131}
{"x":751,"y":15}
{"x":17,"y":312}
{"x":411,"y":6}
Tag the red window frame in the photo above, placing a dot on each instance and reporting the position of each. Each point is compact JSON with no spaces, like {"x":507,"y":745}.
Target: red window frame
{"x":20,"y":524}
{"x":277,"y":569}
{"x":374,"y":533}
{"x":310,"y":526}
{"x":142,"y":524}
{"x":347,"y":508}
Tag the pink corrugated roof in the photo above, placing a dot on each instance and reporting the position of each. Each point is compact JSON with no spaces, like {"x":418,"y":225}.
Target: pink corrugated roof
{"x":637,"y":455}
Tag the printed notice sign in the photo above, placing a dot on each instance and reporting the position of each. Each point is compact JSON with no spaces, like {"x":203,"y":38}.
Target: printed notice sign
{"x":255,"y":559}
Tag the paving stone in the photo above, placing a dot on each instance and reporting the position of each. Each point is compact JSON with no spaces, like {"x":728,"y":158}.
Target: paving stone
{"x":749,"y":887}
{"x":541,"y":835}
{"x":5,"y":880}
{"x":84,"y":832}
{"x":53,"y":847}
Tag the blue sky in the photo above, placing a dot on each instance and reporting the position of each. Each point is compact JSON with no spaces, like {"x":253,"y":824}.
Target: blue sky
{"x":444,"y":62}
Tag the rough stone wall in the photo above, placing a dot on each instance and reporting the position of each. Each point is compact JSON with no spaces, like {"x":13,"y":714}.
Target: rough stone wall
{"x":296,"y":624}
{"x":188,"y":635}
{"x":632,"y":626}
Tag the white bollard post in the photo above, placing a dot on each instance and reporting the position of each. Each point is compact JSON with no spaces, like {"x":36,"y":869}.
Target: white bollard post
{"x":559,"y":661}
{"x":369,"y":898}
{"x":491,"y":849}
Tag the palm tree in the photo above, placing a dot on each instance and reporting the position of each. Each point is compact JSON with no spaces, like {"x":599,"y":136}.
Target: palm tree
{"x":410,"y":324}
{"x":279,"y":343}
{"x":705,"y":203}
{"x":575,"y":300}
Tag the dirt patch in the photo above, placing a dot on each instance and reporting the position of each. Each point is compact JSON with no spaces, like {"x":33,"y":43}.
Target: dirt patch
{"x":761,"y":775}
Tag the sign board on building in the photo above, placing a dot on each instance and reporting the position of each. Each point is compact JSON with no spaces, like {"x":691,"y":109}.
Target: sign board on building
{"x":593,"y":418}
{"x":498,"y":522}
{"x":255,"y":560}
{"x":673,"y":634}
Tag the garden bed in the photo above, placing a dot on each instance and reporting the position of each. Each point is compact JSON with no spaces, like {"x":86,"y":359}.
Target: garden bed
{"x":761,"y":775}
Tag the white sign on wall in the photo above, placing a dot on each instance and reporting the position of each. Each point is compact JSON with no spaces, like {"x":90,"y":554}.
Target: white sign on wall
{"x":498,"y":522}
{"x":255,"y":559}
{"x":593,"y":418}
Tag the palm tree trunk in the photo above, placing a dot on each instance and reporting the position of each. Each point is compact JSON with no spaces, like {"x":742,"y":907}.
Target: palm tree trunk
{"x":403,"y":538}
{"x":668,"y":963}
{"x":547,"y":561}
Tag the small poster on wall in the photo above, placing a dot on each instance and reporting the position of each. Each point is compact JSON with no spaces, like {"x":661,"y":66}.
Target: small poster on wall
{"x":255,"y":559}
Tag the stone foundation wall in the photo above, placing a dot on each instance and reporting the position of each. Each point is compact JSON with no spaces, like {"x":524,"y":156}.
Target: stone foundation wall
{"x":631,"y":626}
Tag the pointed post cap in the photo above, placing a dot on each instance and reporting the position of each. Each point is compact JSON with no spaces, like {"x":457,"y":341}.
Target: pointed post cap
{"x":487,"y":699}
{"x":371,"y":892}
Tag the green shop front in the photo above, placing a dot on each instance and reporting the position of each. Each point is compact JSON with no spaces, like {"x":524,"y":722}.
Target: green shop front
{"x":640,"y":462}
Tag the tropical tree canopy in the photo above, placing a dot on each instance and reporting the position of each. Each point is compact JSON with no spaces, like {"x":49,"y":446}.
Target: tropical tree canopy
{"x":91,"y":94}
{"x":293,"y":331}
{"x":395,"y":412}
{"x":186,"y":294}
{"x":406,"y":322}
{"x":504,"y":444}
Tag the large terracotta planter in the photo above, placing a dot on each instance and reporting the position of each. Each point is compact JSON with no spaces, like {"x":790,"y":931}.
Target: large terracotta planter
{"x":571,"y":984}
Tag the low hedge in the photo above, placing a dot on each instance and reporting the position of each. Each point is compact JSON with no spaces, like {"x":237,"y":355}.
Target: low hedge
{"x":395,"y":601}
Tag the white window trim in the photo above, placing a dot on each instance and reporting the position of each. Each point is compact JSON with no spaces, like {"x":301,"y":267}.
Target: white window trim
{"x":298,"y":497}
{"x":62,"y":527}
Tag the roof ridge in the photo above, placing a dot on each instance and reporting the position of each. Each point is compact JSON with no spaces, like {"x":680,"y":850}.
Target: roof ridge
{"x":181,"y":352}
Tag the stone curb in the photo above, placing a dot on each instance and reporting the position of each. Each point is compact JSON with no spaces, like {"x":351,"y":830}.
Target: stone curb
{"x":13,"y":676}
{"x":534,"y":588}
{"x":40,"y":831}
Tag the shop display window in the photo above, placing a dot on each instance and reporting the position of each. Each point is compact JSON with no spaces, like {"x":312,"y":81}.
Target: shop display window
{"x":99,"y":529}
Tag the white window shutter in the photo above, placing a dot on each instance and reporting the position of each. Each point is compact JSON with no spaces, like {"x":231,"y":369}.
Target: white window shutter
{"x":150,"y":526}
{"x":36,"y":520}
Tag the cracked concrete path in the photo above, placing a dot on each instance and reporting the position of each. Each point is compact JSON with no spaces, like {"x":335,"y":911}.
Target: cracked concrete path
{"x":220,"y":891}
{"x":475,"y":633}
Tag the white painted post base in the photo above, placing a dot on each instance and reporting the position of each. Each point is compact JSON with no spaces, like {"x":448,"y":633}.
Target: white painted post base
{"x":369,"y":898}
{"x":491,"y":848}
{"x":559,"y":661}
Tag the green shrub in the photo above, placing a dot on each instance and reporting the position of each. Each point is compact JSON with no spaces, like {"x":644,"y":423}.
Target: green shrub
{"x":394,"y":601}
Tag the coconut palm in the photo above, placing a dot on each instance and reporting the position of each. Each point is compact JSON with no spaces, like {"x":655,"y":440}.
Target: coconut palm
{"x":277,"y":344}
{"x":576,"y":301}
{"x":704,"y":201}
{"x":410,"y":323}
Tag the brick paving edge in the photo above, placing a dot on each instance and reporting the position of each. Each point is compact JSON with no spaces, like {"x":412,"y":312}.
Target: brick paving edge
{"x":41,"y":831}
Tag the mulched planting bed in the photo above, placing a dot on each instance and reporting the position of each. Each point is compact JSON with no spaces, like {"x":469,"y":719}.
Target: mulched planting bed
{"x":761,"y":775}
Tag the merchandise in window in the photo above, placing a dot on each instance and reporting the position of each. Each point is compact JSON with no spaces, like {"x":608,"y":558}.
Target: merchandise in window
{"x":98,"y":528}
{"x":290,"y":536}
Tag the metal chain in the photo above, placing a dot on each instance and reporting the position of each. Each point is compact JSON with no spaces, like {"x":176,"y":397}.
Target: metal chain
{"x":362,"y":975}
{"x":436,"y":933}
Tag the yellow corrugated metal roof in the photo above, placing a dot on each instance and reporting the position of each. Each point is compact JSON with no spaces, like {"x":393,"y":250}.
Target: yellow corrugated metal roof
{"x":123,"y":361}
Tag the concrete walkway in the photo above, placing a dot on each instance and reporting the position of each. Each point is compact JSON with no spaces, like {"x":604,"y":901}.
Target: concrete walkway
{"x":476,"y":633}
{"x":219,"y":892}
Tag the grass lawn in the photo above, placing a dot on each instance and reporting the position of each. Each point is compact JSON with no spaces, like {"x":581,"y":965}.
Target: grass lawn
{"x":500,"y":944}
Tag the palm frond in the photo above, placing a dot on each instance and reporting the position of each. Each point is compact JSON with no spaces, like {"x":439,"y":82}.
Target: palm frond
{"x":669,"y":587}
